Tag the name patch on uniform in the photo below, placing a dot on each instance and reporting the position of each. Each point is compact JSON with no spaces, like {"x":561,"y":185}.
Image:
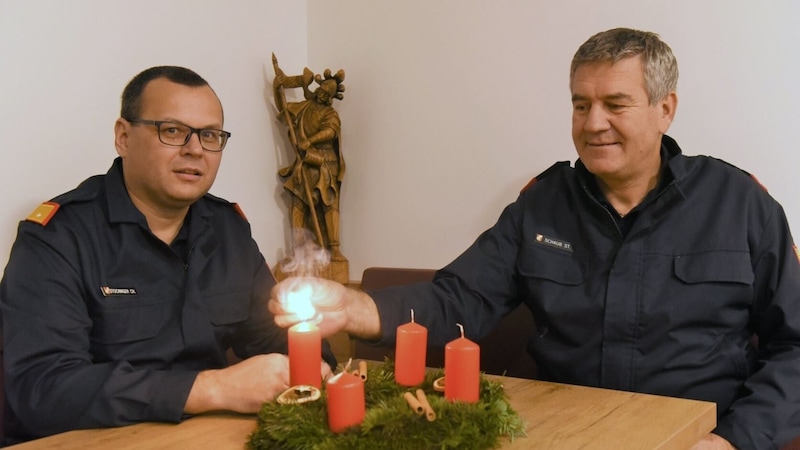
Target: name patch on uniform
{"x":109,"y":291}
{"x":553,"y":242}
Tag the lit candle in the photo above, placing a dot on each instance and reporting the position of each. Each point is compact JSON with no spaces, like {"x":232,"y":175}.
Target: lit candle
{"x":409,"y":361}
{"x":305,"y":342}
{"x":346,"y":406}
{"x":462,"y":369}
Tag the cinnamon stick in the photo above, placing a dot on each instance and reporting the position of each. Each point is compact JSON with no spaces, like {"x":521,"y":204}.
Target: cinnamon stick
{"x":430,"y":414}
{"x":415,"y":405}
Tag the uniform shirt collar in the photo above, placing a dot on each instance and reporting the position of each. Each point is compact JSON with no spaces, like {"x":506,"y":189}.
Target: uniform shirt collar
{"x":120,"y":205}
{"x":670,"y":167}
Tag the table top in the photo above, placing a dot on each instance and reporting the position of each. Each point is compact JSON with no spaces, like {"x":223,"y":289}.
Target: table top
{"x":556,"y":416}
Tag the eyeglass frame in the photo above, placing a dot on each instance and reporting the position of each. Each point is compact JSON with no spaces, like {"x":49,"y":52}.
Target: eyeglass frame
{"x":192,"y":131}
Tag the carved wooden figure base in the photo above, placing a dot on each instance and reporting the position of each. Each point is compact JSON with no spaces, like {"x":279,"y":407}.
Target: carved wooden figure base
{"x":338,"y":271}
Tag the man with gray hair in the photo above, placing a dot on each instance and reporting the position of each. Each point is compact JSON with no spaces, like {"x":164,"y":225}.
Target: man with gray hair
{"x":645,"y":269}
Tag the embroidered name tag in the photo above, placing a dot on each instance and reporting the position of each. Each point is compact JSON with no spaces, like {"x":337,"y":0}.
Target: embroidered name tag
{"x":109,"y":291}
{"x":553,"y":242}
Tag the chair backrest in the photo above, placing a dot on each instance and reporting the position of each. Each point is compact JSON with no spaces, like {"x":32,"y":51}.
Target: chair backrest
{"x":2,"y":389}
{"x":502,"y":350}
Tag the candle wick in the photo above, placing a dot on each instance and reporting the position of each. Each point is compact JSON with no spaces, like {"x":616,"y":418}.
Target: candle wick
{"x":412,"y":315}
{"x":461,"y":327}
{"x":347,"y":366}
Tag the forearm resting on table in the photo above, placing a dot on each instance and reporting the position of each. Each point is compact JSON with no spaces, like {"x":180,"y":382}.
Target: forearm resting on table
{"x":205,"y":394}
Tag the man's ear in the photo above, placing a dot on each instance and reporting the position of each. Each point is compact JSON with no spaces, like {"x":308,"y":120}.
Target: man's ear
{"x":667,"y":107}
{"x":121,"y":134}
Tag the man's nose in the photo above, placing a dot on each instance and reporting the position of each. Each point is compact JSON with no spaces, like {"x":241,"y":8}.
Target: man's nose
{"x":193,"y":145}
{"x":596,"y":119}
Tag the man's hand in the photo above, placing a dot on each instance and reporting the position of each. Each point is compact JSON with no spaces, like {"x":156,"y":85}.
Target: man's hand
{"x":713,"y":442}
{"x":242,"y":387}
{"x":326,"y":297}
{"x":337,"y":307}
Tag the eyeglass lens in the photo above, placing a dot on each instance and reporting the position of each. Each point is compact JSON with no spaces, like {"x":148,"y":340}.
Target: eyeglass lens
{"x":177,"y":134}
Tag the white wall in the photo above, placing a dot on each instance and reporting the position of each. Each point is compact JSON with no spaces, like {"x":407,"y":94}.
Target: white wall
{"x":451,"y":106}
{"x":63,"y":66}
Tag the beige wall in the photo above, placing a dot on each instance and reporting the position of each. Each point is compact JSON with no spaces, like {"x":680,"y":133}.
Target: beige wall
{"x":63,"y":66}
{"x":451,"y":106}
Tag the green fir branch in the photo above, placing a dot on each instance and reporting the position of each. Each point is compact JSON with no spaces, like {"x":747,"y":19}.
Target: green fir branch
{"x":389,"y":423}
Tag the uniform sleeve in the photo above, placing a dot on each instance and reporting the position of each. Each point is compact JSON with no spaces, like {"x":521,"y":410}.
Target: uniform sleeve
{"x":52,"y":383}
{"x":476,"y":290}
{"x":765,"y":415}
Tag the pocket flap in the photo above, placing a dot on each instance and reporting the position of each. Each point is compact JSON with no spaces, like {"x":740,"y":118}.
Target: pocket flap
{"x":225,"y":308}
{"x":718,"y":266}
{"x":555,"y":266}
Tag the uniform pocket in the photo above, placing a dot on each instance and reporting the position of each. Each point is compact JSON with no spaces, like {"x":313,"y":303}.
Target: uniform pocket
{"x":554,"y":266}
{"x":116,"y":323}
{"x":225,"y":308}
{"x":714,"y":267}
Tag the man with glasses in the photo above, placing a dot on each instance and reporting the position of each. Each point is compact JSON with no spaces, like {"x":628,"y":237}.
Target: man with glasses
{"x":122,"y":297}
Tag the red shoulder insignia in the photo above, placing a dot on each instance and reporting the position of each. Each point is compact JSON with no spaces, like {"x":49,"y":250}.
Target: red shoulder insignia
{"x":239,"y":210}
{"x":759,"y":183}
{"x":43,"y":213}
{"x":557,"y":166}
{"x":530,"y":183}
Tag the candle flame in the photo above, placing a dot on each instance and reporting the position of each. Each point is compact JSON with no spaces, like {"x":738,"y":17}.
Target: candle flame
{"x":298,"y":302}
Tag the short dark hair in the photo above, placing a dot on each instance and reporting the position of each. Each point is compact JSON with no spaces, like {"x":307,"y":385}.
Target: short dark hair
{"x":132,"y":94}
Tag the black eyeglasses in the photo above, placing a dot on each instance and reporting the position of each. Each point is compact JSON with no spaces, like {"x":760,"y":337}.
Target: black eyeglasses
{"x":178,"y":134}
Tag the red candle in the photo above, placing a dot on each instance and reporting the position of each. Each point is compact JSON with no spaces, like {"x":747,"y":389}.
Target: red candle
{"x":462,"y":370}
{"x":305,"y":355}
{"x":305,"y":340}
{"x":346,"y":407}
{"x":409,"y":361}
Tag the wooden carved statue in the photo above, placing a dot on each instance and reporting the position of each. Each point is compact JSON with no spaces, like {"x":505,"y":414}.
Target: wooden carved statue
{"x":314,"y":179}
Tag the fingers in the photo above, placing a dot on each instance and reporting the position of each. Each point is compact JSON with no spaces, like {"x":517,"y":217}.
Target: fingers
{"x":326,"y":298}
{"x":326,"y":370}
{"x":284,"y":319}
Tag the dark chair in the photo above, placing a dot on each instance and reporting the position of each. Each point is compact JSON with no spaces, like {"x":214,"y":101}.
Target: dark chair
{"x":2,"y":390}
{"x":502,"y":350}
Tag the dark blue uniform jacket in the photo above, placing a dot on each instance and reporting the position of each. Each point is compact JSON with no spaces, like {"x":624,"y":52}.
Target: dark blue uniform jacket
{"x":666,"y":302}
{"x":104,"y":324}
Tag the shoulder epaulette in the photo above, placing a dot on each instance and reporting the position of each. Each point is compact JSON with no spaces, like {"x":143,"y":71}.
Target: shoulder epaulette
{"x":235,"y":206}
{"x":544,"y":174}
{"x":752,"y":177}
{"x":239,"y":210}
{"x":43,"y":213}
{"x":85,"y":192}
{"x":758,"y":182}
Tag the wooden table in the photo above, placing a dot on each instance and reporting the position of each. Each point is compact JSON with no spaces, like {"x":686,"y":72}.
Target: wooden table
{"x":557,"y":416}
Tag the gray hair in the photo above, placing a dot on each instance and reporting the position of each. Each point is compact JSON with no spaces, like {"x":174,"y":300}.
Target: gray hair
{"x":658,"y":63}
